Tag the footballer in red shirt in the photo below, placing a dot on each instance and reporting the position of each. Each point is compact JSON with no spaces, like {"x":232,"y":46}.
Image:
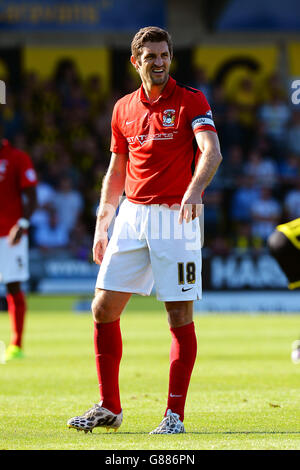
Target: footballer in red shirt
{"x":17,"y":202}
{"x":165,"y":151}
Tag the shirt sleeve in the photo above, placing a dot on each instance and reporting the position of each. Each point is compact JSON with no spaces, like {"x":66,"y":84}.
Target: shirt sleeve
{"x":27,"y":174}
{"x":119,"y":143}
{"x":199,"y":113}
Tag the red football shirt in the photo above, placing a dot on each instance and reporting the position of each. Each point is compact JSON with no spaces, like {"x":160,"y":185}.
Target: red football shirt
{"x":160,"y":141}
{"x":16,"y":173}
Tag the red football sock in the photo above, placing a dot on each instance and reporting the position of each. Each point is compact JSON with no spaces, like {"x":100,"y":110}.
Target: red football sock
{"x":108,"y":351}
{"x":182,"y":358}
{"x":16,"y":309}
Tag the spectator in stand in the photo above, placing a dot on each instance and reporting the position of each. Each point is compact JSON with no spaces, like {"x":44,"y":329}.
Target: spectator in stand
{"x":244,"y":96}
{"x":45,"y":196}
{"x":80,"y":242}
{"x":264,"y":170}
{"x":87,"y":153}
{"x":233,"y":167}
{"x":68,"y":203}
{"x":231,"y":131}
{"x":51,"y":236}
{"x":275,"y":115}
{"x":201,"y":82}
{"x":47,"y":134}
{"x":243,"y":198}
{"x":63,"y":165}
{"x":266,"y":213}
{"x":244,"y":239}
{"x":101,"y":123}
{"x":292,"y":202}
{"x":212,"y":200}
{"x":11,"y":117}
{"x":95,"y":94}
{"x":271,"y":86}
{"x":289,"y":171}
{"x":219,"y":245}
{"x":65,"y":76}
{"x":294,"y":134}
{"x":218,"y":103}
{"x":76,"y":99}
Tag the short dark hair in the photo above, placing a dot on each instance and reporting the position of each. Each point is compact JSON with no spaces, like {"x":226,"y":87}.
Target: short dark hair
{"x":152,"y":34}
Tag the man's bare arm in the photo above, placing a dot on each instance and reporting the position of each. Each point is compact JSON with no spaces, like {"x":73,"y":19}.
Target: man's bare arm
{"x":207,"y":166}
{"x":112,"y":189}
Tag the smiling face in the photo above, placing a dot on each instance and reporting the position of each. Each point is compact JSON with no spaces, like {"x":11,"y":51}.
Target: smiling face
{"x":153,"y":64}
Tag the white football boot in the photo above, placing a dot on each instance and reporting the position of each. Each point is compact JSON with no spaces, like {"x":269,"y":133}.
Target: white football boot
{"x":97,"y":416}
{"x":170,"y":424}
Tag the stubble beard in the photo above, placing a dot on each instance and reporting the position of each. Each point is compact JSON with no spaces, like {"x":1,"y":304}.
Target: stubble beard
{"x":159,"y":80}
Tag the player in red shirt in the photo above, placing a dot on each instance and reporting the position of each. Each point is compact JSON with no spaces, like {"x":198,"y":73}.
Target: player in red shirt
{"x":156,"y":235}
{"x":17,"y":202}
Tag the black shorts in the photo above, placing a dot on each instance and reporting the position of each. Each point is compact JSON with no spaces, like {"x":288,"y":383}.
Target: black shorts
{"x":287,"y":256}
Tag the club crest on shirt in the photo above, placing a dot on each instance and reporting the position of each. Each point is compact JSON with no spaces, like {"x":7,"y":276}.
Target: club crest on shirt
{"x":169,"y":117}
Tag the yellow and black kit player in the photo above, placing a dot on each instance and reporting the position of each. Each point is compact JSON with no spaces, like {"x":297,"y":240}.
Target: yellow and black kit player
{"x":284,"y":245}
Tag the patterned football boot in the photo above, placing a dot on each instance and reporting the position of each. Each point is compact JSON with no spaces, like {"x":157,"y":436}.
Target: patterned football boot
{"x":97,"y":416}
{"x":170,"y":424}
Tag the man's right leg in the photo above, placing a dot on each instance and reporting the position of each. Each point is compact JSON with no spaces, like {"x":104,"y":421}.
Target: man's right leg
{"x":107,"y":307}
{"x":17,"y":310}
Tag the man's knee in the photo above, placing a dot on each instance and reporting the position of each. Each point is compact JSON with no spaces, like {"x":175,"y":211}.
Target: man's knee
{"x":179,"y":313}
{"x":107,"y":306}
{"x":101,"y":310}
{"x":99,"y":313}
{"x":13,"y":288}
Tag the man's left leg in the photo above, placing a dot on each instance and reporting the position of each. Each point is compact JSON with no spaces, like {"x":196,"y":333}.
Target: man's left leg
{"x":182,"y":358}
{"x":17,"y":309}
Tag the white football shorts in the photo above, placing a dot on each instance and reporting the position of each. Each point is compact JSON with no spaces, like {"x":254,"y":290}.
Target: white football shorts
{"x":147,"y":247}
{"x":14,"y":261}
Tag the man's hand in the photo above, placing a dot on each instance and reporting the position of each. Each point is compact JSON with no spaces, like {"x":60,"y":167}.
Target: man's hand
{"x":99,"y":248}
{"x":112,"y":189}
{"x":191,"y":205}
{"x":15,"y":234}
{"x":100,"y":238}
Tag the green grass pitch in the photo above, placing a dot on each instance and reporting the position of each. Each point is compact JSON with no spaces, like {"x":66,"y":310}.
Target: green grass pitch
{"x":244,"y":392}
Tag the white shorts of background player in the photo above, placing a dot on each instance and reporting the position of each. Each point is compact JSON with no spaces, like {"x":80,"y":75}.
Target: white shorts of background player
{"x":14,"y":261}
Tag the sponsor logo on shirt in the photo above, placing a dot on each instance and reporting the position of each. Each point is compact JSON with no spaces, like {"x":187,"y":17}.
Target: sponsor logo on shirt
{"x":169,"y":117}
{"x":143,"y":138}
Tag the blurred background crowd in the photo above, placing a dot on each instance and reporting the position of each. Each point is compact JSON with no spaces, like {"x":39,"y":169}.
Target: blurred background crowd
{"x":63,"y":122}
